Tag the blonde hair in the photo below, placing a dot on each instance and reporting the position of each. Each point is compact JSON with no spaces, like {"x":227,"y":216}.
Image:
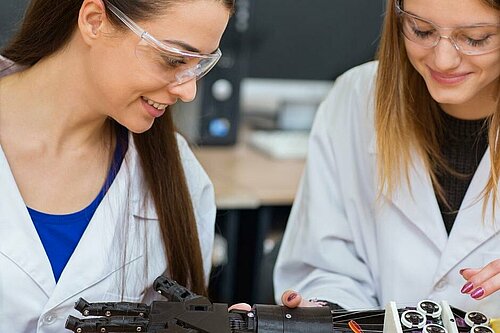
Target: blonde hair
{"x":407,"y":118}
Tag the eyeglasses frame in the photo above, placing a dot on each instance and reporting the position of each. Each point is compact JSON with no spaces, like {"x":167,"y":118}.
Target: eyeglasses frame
{"x":399,"y":11}
{"x":152,"y":41}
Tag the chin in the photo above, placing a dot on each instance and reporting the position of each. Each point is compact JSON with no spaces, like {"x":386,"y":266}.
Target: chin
{"x":139,"y":127}
{"x":450,"y":100}
{"x":449,"y":96}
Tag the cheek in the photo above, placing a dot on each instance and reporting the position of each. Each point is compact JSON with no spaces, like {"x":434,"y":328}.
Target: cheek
{"x":490,"y":65}
{"x":414,"y":52}
{"x":415,"y":56}
{"x":118,"y":78}
{"x":418,"y":57}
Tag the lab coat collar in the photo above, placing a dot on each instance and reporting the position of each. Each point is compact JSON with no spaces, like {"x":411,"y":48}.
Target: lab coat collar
{"x":417,"y":201}
{"x":420,"y":206}
{"x":7,"y":66}
{"x":116,"y":212}
{"x":95,"y":256}
{"x":142,"y":203}
{"x":20,"y":241}
{"x":469,"y":230}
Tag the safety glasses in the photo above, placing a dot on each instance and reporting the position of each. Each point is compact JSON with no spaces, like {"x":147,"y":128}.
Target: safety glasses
{"x":470,"y":40}
{"x":166,"y":61}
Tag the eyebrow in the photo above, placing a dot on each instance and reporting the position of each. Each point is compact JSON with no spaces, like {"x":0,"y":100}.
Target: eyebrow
{"x":186,"y":46}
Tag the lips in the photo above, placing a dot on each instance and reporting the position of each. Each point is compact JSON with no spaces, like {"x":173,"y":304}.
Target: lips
{"x":449,"y":78}
{"x":151,"y":110}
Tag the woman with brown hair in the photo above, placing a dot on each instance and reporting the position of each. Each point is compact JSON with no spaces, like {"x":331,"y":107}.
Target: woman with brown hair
{"x":99,"y":195}
{"x":397,"y":202}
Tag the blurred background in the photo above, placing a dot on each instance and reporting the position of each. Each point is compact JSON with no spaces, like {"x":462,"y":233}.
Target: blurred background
{"x":250,"y":122}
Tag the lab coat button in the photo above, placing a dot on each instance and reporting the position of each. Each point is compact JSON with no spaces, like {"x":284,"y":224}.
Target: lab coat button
{"x":49,"y":319}
{"x":441,"y":284}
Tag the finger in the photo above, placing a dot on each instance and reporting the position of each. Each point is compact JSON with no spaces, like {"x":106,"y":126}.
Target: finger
{"x":487,"y":272}
{"x":483,"y":282}
{"x":240,"y":306}
{"x":291,"y":299}
{"x":487,"y":280}
{"x":467,"y":273}
{"x":487,"y":288}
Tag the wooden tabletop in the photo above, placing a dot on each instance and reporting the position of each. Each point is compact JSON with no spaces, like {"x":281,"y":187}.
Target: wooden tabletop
{"x":245,"y":178}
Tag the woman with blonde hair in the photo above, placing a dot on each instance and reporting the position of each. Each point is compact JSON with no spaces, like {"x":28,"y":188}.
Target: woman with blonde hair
{"x":398,"y":200}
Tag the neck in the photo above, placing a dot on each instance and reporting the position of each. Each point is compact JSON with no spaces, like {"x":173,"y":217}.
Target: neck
{"x":51,"y":102}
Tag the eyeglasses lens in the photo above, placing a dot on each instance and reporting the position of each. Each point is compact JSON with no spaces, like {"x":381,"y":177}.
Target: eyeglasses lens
{"x":171,"y":67}
{"x":470,"y":40}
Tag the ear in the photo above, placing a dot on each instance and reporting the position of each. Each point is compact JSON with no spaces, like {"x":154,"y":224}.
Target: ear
{"x":91,"y":20}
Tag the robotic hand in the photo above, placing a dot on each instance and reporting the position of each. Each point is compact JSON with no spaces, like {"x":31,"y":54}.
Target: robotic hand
{"x":186,"y":312}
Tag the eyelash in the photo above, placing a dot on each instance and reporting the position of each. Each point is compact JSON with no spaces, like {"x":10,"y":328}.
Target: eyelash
{"x":471,"y":41}
{"x":421,"y":34}
{"x":173,"y":62}
{"x":478,"y":42}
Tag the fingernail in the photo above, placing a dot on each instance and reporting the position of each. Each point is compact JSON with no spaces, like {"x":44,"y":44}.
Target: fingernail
{"x":479,"y":292}
{"x":291,"y":297}
{"x":462,"y":271}
{"x":467,"y":288}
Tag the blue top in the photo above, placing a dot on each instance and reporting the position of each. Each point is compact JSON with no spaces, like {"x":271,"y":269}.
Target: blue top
{"x":60,"y":234}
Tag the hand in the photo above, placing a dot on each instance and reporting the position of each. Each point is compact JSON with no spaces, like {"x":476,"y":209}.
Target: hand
{"x":482,"y":282}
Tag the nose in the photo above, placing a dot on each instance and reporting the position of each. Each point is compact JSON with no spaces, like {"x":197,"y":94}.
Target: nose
{"x":185,"y":91}
{"x":446,"y":54}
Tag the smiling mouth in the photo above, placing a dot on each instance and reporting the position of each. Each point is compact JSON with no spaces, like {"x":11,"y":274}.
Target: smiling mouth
{"x":449,"y":78}
{"x":156,"y":105}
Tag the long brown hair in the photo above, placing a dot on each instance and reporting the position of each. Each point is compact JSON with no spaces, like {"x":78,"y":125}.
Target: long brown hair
{"x":407,"y":117}
{"x":48,"y":27}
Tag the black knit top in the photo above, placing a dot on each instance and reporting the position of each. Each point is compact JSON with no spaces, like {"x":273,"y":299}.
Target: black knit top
{"x":463,"y":146}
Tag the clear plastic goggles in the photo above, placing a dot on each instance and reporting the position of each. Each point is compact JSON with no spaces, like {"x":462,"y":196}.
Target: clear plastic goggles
{"x":470,"y":40}
{"x":166,"y":61}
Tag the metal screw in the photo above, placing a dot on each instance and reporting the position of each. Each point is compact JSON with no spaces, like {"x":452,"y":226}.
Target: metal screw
{"x":78,"y":330}
{"x":141,"y":314}
{"x":86,"y":312}
{"x":250,"y":315}
{"x":139,"y":329}
{"x":288,"y":316}
{"x":103,"y":330}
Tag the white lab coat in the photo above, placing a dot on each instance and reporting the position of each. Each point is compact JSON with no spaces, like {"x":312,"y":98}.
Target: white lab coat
{"x":30,"y":300}
{"x":341,"y":246}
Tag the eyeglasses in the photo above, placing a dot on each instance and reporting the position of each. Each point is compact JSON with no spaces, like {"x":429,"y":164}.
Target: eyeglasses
{"x":165,"y":61}
{"x":469,"y":40}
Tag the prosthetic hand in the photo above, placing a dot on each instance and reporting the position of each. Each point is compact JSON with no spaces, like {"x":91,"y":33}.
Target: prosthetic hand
{"x":185,"y":312}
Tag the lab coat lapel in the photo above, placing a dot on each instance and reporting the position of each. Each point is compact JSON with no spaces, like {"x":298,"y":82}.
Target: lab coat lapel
{"x":419,"y":204}
{"x":19,"y":240}
{"x":469,"y":230}
{"x":97,"y":255}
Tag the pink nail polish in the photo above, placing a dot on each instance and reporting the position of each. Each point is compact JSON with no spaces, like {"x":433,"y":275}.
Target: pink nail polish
{"x":291,"y":297}
{"x":479,"y":292}
{"x":467,"y":288}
